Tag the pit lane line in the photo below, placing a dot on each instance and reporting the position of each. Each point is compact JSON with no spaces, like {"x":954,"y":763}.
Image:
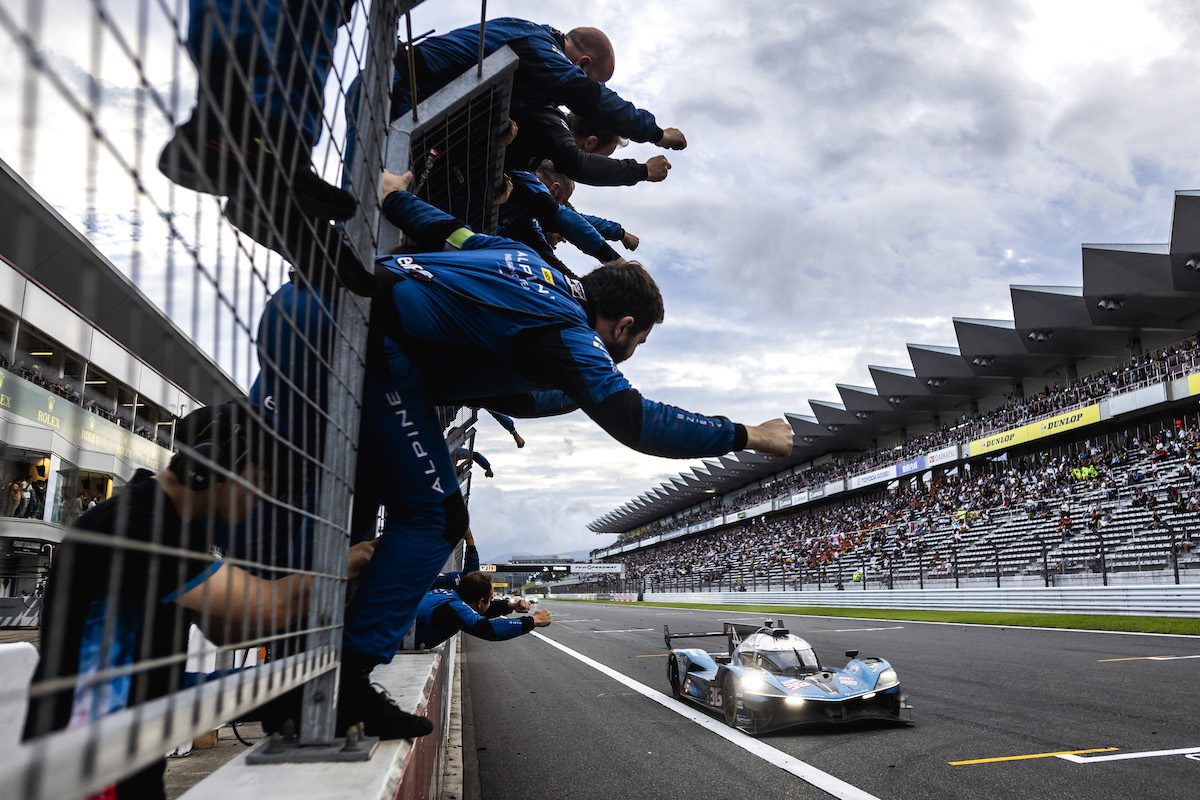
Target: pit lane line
{"x":802,"y":770}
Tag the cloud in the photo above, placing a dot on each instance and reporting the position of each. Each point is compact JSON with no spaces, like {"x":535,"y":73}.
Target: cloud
{"x":857,"y":173}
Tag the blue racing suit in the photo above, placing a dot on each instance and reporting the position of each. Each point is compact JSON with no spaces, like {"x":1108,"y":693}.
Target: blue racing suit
{"x":442,"y":613}
{"x":450,"y":580}
{"x":485,"y":323}
{"x":544,"y":76}
{"x":531,"y":210}
{"x":505,"y":421}
{"x":270,"y":54}
{"x":612,"y":231}
{"x":476,"y":456}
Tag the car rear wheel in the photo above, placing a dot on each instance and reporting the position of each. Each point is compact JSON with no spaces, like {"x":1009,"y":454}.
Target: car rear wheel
{"x":729,"y":701}
{"x":673,"y":676}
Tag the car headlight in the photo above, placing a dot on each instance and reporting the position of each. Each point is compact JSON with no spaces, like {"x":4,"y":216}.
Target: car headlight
{"x":753,"y":682}
{"x":887,"y":679}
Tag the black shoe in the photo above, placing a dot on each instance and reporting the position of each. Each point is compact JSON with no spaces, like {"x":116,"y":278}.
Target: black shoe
{"x":318,"y":251}
{"x":202,"y":163}
{"x":361,"y":701}
{"x":208,"y":162}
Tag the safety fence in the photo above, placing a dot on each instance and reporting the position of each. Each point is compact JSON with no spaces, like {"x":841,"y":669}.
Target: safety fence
{"x":222,"y":159}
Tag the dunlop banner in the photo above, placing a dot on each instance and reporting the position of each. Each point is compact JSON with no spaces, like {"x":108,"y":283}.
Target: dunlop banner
{"x":1194,"y":384}
{"x":1069,"y":420}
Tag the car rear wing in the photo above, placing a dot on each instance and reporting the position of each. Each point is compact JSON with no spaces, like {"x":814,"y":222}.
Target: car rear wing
{"x":735,"y":632}
{"x":668,"y":636}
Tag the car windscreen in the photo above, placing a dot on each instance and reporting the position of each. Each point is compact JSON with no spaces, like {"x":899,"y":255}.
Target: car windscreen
{"x":796,"y":659}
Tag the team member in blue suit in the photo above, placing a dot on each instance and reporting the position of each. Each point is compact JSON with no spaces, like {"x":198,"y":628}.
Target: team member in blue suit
{"x":509,"y":425}
{"x":555,"y":69}
{"x":262,"y":66}
{"x":538,"y":205}
{"x":481,"y":320}
{"x":612,"y":231}
{"x":469,"y":608}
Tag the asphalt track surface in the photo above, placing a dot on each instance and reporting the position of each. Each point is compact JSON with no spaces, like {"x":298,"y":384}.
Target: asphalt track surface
{"x":548,"y":725}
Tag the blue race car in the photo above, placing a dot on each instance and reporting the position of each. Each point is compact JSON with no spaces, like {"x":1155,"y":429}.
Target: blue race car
{"x":771,"y":679}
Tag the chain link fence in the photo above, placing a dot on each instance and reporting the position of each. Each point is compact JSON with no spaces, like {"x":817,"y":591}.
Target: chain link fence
{"x":212,"y":168}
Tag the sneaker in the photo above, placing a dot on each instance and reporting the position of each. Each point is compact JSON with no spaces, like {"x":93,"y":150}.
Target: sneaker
{"x":359,"y":700}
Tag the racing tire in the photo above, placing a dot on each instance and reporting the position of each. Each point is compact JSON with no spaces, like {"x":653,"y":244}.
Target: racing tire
{"x":673,"y":677}
{"x":729,"y":701}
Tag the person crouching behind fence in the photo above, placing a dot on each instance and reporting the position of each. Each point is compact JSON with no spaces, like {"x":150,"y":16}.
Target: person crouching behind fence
{"x":470,"y":608}
{"x":136,"y":570}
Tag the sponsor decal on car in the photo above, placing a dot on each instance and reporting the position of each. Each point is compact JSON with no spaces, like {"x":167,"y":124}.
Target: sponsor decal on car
{"x":792,"y":684}
{"x":714,"y":697}
{"x":846,"y":680}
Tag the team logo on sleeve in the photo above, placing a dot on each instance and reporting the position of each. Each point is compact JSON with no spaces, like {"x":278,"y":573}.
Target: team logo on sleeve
{"x":547,"y":276}
{"x":599,"y":345}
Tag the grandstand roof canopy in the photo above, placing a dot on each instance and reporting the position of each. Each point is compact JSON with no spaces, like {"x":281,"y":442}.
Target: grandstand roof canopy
{"x":43,"y":245}
{"x":1131,"y":297}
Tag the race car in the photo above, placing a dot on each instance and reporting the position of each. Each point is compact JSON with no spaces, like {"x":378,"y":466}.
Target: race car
{"x":770,"y":679}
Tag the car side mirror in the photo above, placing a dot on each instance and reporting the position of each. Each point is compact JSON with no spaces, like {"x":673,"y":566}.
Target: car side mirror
{"x":851,"y":654}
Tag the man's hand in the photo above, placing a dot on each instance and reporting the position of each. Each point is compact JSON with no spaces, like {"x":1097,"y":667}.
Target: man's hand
{"x":360,"y":556}
{"x":489,"y":474}
{"x":508,"y":134}
{"x":541,"y":618}
{"x":469,"y":538}
{"x":630,"y":241}
{"x":518,"y":439}
{"x":658,"y":166}
{"x":672,"y":139}
{"x":394,"y":183}
{"x":519,"y":605}
{"x":506,"y":189}
{"x":773,"y":437}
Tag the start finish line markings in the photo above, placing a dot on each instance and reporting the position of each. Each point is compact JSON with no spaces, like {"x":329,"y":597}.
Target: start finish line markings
{"x":802,"y":770}
{"x":1058,"y":753}
{"x":1145,"y":658}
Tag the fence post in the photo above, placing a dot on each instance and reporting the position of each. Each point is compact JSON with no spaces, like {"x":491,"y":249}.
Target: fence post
{"x":954,"y":555}
{"x":920,"y":572}
{"x":1174,"y":553}
{"x":1103,"y":560}
{"x":1045,"y":561}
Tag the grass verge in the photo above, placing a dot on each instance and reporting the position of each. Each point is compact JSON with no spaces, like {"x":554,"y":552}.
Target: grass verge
{"x":1176,"y":625}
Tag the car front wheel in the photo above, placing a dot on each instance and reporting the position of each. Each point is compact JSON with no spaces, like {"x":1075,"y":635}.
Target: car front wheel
{"x":673,"y":676}
{"x":729,"y":700}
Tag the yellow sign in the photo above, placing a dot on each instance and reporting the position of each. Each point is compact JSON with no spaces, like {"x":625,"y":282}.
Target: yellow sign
{"x":1002,"y":440}
{"x":1194,"y":383}
{"x":499,"y":585}
{"x":488,"y":568}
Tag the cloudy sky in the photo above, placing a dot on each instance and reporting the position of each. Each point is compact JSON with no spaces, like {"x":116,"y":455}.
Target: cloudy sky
{"x":857,"y":173}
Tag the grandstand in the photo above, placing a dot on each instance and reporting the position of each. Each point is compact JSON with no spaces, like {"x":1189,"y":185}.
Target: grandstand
{"x":1103,"y":375}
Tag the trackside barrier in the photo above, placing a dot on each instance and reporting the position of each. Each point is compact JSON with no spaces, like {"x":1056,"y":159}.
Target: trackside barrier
{"x":403,"y":770}
{"x":1166,"y":601}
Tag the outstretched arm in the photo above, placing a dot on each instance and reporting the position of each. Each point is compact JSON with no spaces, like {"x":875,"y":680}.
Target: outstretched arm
{"x":575,"y":361}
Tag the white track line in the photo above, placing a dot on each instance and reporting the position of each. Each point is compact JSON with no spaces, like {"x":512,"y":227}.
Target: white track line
{"x":626,"y":630}
{"x":805,"y":772}
{"x":1183,"y":751}
{"x":855,"y":630}
{"x":922,"y":622}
